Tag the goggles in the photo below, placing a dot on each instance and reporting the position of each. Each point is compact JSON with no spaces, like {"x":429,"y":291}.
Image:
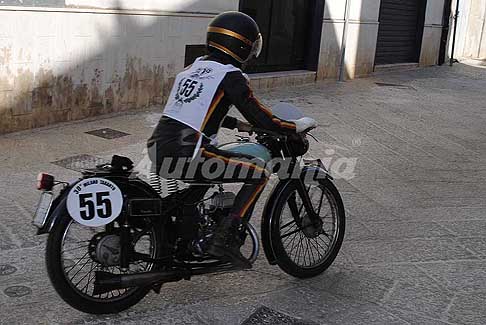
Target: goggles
{"x":257,"y":47}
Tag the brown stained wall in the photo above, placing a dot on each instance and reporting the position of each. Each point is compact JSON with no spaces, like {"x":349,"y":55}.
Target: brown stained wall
{"x":56,"y":98}
{"x":153,"y":5}
{"x":59,"y":65}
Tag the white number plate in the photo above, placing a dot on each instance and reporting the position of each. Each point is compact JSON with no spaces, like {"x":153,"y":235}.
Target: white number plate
{"x":95,"y":202}
{"x":42,"y":209}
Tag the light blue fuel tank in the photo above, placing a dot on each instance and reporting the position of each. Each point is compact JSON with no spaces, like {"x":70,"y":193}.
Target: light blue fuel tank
{"x":248,"y":148}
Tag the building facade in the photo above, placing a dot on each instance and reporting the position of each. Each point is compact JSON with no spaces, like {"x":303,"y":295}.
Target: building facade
{"x":63,"y":60}
{"x":471,"y":33}
{"x":379,"y":33}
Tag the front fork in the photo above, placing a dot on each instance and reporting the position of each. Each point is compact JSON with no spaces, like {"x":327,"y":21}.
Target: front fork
{"x":306,"y":202}
{"x":304,"y":195}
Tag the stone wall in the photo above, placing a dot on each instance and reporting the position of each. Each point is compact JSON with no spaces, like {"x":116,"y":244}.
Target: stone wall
{"x":360,"y":43}
{"x":363,"y":34}
{"x":471,"y":35}
{"x":62,"y":64}
{"x":72,"y":59}
{"x":429,"y":54}
{"x":193,"y":6}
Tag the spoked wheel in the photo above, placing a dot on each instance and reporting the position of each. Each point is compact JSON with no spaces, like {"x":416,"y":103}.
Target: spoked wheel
{"x":305,"y":248}
{"x":75,"y":252}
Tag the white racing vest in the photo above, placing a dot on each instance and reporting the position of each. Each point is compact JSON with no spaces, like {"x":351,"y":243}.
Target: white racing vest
{"x":194,"y":89}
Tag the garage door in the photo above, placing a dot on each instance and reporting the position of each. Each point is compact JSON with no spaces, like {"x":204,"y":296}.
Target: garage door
{"x":400,"y":31}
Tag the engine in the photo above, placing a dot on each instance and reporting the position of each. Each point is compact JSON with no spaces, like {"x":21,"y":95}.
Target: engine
{"x":216,"y":208}
{"x":165,"y":187}
{"x":222,"y":201}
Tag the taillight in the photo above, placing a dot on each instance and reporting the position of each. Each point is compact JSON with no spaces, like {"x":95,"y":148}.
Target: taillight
{"x":45,"y":182}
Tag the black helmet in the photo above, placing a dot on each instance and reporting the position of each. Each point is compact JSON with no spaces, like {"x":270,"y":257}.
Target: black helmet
{"x":235,"y":34}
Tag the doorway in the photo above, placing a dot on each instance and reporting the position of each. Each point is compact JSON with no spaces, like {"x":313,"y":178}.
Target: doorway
{"x":400,"y":31}
{"x":289,"y":29}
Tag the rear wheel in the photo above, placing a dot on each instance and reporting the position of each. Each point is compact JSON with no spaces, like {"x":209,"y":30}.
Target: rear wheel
{"x":304,"y":248}
{"x":75,"y":252}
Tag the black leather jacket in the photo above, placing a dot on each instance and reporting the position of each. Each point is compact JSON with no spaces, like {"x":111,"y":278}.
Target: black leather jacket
{"x":174,"y":139}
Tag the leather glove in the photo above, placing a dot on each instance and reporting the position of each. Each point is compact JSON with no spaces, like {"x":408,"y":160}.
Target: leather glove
{"x":304,"y":124}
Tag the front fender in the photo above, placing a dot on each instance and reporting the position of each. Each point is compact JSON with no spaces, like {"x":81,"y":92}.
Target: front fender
{"x":315,"y":172}
{"x":268,"y":212}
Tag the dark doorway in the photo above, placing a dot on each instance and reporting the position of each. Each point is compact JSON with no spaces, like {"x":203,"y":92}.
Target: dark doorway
{"x":400,"y":31}
{"x":289,"y":31}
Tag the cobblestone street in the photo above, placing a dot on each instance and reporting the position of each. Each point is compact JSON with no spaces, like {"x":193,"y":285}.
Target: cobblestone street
{"x":415,"y":245}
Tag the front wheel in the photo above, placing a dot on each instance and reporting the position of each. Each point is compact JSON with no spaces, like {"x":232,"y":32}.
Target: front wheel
{"x":303,"y":247}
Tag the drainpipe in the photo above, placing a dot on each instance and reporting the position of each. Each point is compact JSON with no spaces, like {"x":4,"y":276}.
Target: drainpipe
{"x":456,"y":17}
{"x":343,"y":42}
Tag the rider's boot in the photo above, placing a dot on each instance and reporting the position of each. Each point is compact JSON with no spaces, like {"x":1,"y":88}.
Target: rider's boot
{"x":226,"y":242}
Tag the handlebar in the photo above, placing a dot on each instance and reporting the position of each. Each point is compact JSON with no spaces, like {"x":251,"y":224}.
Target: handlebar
{"x":246,"y":127}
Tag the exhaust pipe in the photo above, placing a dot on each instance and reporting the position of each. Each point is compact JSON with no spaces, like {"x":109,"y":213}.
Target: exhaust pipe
{"x":106,"y":282}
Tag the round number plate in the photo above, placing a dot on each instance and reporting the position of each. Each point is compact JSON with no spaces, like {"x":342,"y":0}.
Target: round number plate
{"x":95,"y":202}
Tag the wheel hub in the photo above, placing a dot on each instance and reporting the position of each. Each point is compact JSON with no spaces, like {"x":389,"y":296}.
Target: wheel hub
{"x":310,"y":228}
{"x":105,"y":249}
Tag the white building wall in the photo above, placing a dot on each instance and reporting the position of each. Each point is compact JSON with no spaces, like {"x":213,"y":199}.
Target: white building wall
{"x":363,"y":34}
{"x":93,"y":57}
{"x":429,"y":54}
{"x":471,"y":30}
{"x":361,"y":38}
{"x":193,"y":6}
{"x":60,"y":64}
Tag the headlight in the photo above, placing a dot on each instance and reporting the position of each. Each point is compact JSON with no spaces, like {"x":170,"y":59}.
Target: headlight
{"x":298,"y":144}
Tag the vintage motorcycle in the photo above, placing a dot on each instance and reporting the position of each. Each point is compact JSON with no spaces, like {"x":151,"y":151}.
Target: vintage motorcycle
{"x":112,"y":237}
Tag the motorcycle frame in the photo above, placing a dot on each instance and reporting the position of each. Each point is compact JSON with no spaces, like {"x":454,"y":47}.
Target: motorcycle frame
{"x":135,"y":187}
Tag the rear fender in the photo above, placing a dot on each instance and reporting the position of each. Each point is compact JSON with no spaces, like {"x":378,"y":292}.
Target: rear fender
{"x":131,"y":188}
{"x":58,"y":209}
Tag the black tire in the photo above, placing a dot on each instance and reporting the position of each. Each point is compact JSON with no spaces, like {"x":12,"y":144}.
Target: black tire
{"x":283,"y":258}
{"x":71,"y":295}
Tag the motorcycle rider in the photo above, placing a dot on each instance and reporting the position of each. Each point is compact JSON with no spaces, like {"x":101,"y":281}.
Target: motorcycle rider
{"x":197,"y":107}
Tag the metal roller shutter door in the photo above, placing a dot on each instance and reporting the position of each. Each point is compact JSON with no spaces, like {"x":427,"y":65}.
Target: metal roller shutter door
{"x":400,"y":31}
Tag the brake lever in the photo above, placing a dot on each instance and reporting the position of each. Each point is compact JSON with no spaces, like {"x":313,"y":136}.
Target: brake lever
{"x":306,"y":131}
{"x":313,"y":137}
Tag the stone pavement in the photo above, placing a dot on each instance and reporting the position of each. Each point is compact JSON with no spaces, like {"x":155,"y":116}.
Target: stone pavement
{"x":415,"y":247}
